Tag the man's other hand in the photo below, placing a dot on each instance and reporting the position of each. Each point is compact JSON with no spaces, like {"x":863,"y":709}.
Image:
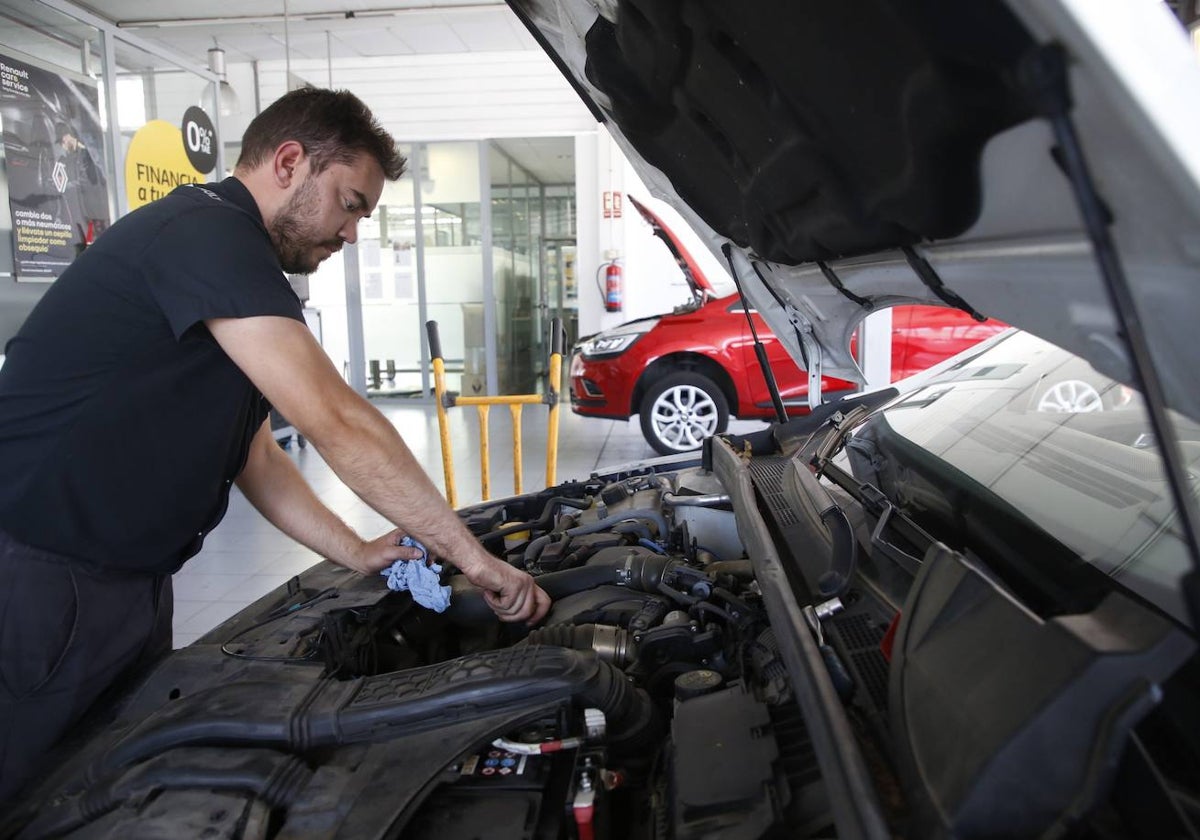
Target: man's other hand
{"x":510,"y":592}
{"x":377,"y":554}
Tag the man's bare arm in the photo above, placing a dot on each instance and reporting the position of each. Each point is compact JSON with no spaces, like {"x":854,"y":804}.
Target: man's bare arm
{"x":276,"y":488}
{"x":282,"y":358}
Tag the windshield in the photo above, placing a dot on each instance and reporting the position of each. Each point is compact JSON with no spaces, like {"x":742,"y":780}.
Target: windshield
{"x":1028,"y":427}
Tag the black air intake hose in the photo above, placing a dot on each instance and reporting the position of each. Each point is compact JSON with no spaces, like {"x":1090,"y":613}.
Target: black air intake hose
{"x":274,"y":777}
{"x":298,"y":716}
{"x":637,"y":568}
{"x":609,"y":643}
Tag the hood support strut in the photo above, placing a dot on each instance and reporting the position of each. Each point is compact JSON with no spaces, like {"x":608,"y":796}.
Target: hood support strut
{"x":1043,"y":73}
{"x":759,"y":350}
{"x":810,"y":348}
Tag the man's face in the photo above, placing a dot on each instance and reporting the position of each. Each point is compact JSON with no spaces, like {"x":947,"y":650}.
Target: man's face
{"x":323,"y":212}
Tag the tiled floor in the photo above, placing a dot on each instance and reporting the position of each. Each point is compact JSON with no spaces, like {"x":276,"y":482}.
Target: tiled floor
{"x":246,"y":557}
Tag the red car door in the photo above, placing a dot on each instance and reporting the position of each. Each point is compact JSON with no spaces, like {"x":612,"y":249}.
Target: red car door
{"x":792,"y":381}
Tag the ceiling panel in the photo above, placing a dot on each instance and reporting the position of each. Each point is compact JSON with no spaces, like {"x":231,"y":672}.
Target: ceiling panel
{"x":429,"y":38}
{"x":380,"y":42}
{"x":254,"y":29}
{"x":490,"y":35}
{"x":550,"y":159}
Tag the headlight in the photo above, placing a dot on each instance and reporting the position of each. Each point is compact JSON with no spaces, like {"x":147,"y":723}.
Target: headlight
{"x":608,"y":345}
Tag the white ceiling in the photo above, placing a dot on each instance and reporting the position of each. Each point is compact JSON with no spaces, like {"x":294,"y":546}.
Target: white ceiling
{"x":251,"y":30}
{"x":316,"y":30}
{"x":551,"y":160}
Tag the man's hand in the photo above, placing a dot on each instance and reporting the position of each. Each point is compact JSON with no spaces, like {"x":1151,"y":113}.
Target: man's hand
{"x":510,"y":592}
{"x":376,"y":555}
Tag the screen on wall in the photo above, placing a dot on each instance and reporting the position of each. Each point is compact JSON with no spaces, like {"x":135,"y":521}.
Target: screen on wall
{"x":54,"y":152}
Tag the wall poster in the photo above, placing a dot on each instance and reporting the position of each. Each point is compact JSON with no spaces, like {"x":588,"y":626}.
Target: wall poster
{"x":162,"y":156}
{"x":54,"y":148}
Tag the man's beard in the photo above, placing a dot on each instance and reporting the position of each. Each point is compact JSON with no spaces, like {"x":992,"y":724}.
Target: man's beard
{"x":294,"y":231}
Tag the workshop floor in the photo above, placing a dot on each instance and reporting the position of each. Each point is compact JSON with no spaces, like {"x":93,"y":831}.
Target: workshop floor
{"x":246,"y":557}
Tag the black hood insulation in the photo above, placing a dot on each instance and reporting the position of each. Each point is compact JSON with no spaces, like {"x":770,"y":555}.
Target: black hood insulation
{"x":814,"y":153}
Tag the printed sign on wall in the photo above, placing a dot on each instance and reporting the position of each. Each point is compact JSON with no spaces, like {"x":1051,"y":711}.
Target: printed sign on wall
{"x":54,"y":148}
{"x":156,"y":163}
{"x":162,"y":156}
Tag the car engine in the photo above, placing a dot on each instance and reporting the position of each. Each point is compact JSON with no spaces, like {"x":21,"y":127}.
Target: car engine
{"x":737,"y":648}
{"x":651,"y":702}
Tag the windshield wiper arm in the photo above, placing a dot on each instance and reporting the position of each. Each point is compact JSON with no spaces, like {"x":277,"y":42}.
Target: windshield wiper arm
{"x":871,"y":498}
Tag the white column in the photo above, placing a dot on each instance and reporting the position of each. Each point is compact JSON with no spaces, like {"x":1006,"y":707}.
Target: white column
{"x":875,"y":349}
{"x":587,"y":228}
{"x":354,"y":321}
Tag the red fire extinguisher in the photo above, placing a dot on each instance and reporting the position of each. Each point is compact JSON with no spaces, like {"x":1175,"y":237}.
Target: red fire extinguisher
{"x":611,"y":290}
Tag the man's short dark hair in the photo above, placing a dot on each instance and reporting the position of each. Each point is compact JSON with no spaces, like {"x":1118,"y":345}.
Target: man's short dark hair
{"x":333,"y":126}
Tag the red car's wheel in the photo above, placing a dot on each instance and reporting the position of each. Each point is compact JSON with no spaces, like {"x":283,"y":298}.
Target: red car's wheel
{"x":680,"y":410}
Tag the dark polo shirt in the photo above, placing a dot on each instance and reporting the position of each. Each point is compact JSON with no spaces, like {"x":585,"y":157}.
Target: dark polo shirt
{"x":122,"y":422}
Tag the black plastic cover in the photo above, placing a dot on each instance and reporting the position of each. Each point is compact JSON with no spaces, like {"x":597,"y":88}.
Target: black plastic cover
{"x":723,"y":766}
{"x":1007,"y":725}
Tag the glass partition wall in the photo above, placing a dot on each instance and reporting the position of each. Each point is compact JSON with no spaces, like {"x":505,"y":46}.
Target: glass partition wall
{"x":474,"y":238}
{"x":479,"y":236}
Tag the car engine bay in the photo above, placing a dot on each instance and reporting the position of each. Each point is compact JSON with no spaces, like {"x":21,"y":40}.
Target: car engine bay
{"x":724,"y":657}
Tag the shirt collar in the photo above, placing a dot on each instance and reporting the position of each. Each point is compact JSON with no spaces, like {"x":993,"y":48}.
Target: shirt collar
{"x":231,"y":189}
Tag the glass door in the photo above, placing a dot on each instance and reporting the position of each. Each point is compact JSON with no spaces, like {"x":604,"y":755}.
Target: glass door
{"x":515,"y":274}
{"x":474,"y":239}
{"x":533,"y":253}
{"x":388,"y":286}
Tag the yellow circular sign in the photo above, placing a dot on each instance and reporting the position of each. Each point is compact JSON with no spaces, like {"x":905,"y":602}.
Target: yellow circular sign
{"x":156,"y":163}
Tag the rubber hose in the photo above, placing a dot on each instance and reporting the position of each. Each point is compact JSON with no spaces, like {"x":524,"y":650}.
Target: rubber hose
{"x":743,"y":570}
{"x":635,"y":568}
{"x":543,"y":520}
{"x":535,"y":547}
{"x":639,"y":528}
{"x":300,"y":717}
{"x":609,"y":643}
{"x":640,"y":513}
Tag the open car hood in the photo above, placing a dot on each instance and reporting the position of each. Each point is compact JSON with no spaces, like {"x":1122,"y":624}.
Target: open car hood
{"x":696,"y":279}
{"x":855,"y":157}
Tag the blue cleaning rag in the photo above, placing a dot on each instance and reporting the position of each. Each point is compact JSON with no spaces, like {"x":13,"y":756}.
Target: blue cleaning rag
{"x":418,"y":578}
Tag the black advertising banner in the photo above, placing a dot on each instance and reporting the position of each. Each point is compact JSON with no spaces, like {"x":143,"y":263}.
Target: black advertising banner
{"x":54,"y":149}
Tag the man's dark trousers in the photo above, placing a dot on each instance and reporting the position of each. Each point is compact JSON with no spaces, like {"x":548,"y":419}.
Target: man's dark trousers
{"x":67,"y":633}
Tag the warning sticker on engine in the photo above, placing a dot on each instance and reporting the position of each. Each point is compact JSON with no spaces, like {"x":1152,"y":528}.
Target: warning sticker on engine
{"x":495,"y":763}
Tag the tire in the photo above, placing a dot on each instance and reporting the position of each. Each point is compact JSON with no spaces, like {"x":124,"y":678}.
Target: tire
{"x":1070,"y":396}
{"x":678,"y":411}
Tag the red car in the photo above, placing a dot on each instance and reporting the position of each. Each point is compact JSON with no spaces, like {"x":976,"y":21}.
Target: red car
{"x":688,"y":372}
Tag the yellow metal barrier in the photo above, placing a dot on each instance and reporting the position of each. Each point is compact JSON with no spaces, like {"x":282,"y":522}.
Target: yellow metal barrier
{"x":448,"y":399}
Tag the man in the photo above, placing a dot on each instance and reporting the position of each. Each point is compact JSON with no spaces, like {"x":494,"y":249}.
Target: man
{"x":138,"y":390}
{"x":84,"y":192}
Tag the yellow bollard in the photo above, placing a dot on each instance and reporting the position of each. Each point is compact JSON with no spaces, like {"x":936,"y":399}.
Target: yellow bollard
{"x":439,"y":387}
{"x":515,"y":409}
{"x":483,"y":404}
{"x":552,"y":430}
{"x":485,"y":476}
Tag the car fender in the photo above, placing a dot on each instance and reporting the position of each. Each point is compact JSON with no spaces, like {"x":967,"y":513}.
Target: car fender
{"x":711,"y":364}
